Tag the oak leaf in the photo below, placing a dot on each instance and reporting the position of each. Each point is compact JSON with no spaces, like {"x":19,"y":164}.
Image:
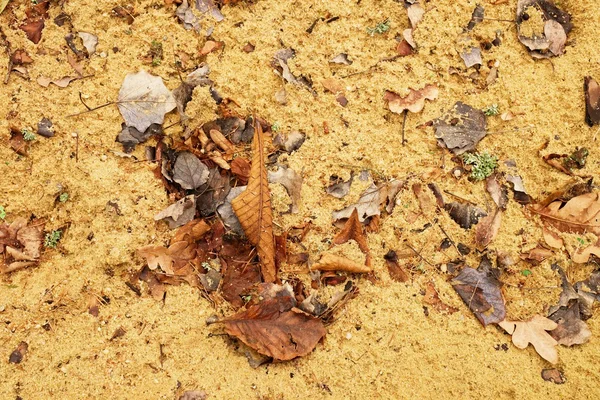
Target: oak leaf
{"x":353,"y":229}
{"x":580,"y":214}
{"x":413,"y":102}
{"x":253,"y":209}
{"x":534,"y":332}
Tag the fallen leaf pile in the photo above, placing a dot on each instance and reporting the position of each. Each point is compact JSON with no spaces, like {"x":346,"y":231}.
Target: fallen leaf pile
{"x":20,"y":244}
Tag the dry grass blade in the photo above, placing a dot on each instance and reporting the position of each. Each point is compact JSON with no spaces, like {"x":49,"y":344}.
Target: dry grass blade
{"x":253,"y":209}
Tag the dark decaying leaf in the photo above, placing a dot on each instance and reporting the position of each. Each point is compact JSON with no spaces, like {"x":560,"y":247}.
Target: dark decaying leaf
{"x":240,"y":273}
{"x":34,"y":23}
{"x":129,"y":136}
{"x":466,"y":215}
{"x":461,"y":128}
{"x":432,"y":298}
{"x":592,"y":101}
{"x":292,"y":183}
{"x":280,"y":65}
{"x":339,"y":188}
{"x":520,"y":194}
{"x":17,"y":142}
{"x":290,"y":142}
{"x":481,"y":291}
{"x":144,"y":100}
{"x":471,"y":57}
{"x":17,"y":355}
{"x":553,"y":375}
{"x":397,"y":272}
{"x":275,"y":328}
{"x":209,"y":6}
{"x":542,"y":27}
{"x":183,"y":93}
{"x":179,"y":213}
{"x":225,"y":211}
{"x":213,"y":192}
{"x":187,"y":17}
{"x":189,"y":171}
{"x":45,"y":128}
{"x":476,"y":17}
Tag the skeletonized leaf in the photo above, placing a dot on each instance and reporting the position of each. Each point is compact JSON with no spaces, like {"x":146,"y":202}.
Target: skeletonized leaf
{"x":144,"y":100}
{"x":253,"y":209}
{"x":413,"y":102}
{"x":189,"y":171}
{"x":534,"y":332}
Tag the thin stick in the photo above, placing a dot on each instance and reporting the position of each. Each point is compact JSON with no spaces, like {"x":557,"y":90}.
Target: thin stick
{"x":451,"y":241}
{"x":419,"y":254}
{"x":405,"y":112}
{"x":92,"y":109}
{"x":387,"y":59}
{"x":460,"y":198}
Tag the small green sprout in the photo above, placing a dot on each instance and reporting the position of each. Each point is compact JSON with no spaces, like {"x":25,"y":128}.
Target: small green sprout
{"x":275,"y":127}
{"x":526,"y":272}
{"x":483,"y":164}
{"x":491,"y":110}
{"x":156,"y":52}
{"x":28,"y":135}
{"x":52,"y":238}
{"x":380,"y":28}
{"x":247,"y":298}
{"x":64,"y":196}
{"x":2,"y":212}
{"x":581,"y":241}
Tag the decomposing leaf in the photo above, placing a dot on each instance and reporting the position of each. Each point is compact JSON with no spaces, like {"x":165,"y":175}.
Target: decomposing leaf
{"x":461,"y":128}
{"x":291,"y":181}
{"x":371,"y":200}
{"x":488,"y":229}
{"x":144,"y":100}
{"x":213,"y":192}
{"x":553,"y":375}
{"x":280,"y":65}
{"x":210,"y":46}
{"x":129,"y":137}
{"x":537,"y":254}
{"x":240,"y":273}
{"x":240,"y":167}
{"x":179,"y":213}
{"x":534,"y":332}
{"x":209,"y":6}
{"x":34,"y":23}
{"x":189,"y":171}
{"x":21,"y":244}
{"x":464,"y":214}
{"x":62,"y":82}
{"x":341,"y":58}
{"x":476,"y":17}
{"x":542,"y":27}
{"x":45,"y":128}
{"x":17,"y":142}
{"x":253,"y":208}
{"x":226,"y":213}
{"x":471,"y":57}
{"x":183,"y":93}
{"x":290,"y":142}
{"x":17,"y":355}
{"x":567,"y":162}
{"x":480,"y":290}
{"x":339,"y":188}
{"x":432,"y":298}
{"x":90,"y":41}
{"x":353,"y":230}
{"x":580,"y":214}
{"x":519,"y":191}
{"x":275,"y":328}
{"x":186,"y":15}
{"x":413,"y":102}
{"x":332,"y":262}
{"x":397,"y":271}
{"x":592,"y":101}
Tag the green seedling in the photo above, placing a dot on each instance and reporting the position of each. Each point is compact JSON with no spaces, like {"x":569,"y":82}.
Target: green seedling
{"x":275,"y":127}
{"x":483,"y":164}
{"x":156,"y":52}
{"x":2,"y":212}
{"x":491,"y":110}
{"x":380,"y":28}
{"x":526,"y":272}
{"x":52,"y":238}
{"x":581,"y":241}
{"x":63,"y":197}
{"x":28,"y":135}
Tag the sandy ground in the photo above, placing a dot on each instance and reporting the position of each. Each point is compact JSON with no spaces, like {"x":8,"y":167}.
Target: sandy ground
{"x":382,"y":345}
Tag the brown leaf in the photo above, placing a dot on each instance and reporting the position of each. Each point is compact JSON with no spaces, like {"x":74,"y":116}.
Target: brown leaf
{"x":488,"y":229}
{"x":537,"y":255}
{"x":332,"y":262}
{"x":353,"y":229}
{"x":552,"y":239}
{"x":582,"y":254}
{"x":291,"y":181}
{"x":426,"y":201}
{"x":17,"y":142}
{"x":397,"y":272}
{"x":20,"y":57}
{"x":62,"y":82}
{"x":17,"y":355}
{"x":253,"y":209}
{"x":461,"y":128}
{"x":466,"y":215}
{"x":413,"y":102}
{"x":432,"y":298}
{"x":592,"y":101}
{"x":534,"y":332}
{"x":240,"y":274}
{"x":498,"y":192}
{"x":240,"y":167}
{"x":403,"y":48}
{"x":221,"y":141}
{"x":211,"y":46}
{"x":578,"y":215}
{"x":571,"y":330}
{"x":33,"y":30}
{"x":179,"y":213}
{"x":290,"y":142}
{"x":480,"y":290}
{"x":544,"y":29}
{"x":553,"y":375}
{"x":276,"y":329}
{"x":339,"y":188}
{"x":371,"y":200}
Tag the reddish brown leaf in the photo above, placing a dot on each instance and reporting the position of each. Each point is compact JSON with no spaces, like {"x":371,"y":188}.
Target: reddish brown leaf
{"x":240,"y":167}
{"x":353,"y":230}
{"x":537,"y":255}
{"x":240,"y":274}
{"x":488,"y":228}
{"x":17,"y":355}
{"x":211,"y":46}
{"x":432,"y":298}
{"x":17,"y":142}
{"x":592,"y":101}
{"x":397,"y":272}
{"x":413,"y":102}
{"x":580,"y":214}
{"x":276,"y":329}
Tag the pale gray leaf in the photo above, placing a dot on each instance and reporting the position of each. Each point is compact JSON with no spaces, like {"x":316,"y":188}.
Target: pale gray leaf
{"x":189,"y":171}
{"x":90,"y":41}
{"x":179,"y":213}
{"x":291,"y":181}
{"x":225,"y":211}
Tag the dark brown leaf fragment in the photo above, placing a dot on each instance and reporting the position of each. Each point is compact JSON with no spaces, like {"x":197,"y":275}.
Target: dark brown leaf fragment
{"x":397,"y":272}
{"x":553,"y":375}
{"x":592,"y":101}
{"x":461,"y":128}
{"x":17,"y":355}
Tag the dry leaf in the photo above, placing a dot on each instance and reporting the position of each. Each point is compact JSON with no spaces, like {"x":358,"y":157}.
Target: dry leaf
{"x":62,"y":82}
{"x":186,"y":15}
{"x":353,"y":229}
{"x":432,"y":298}
{"x":537,"y":255}
{"x":582,"y":254}
{"x":275,"y":328}
{"x":415,"y":14}
{"x":332,"y":262}
{"x":413,"y":102}
{"x":90,"y":41}
{"x":189,"y":171}
{"x":144,"y":100}
{"x":427,"y":203}
{"x":476,"y":17}
{"x":471,"y":57}
{"x":552,"y":239}
{"x":534,"y":332}
{"x":371,"y":200}
{"x":339,"y":188}
{"x":291,"y":181}
{"x":210,"y":46}
{"x":253,"y":208}
{"x":461,"y":128}
{"x":544,"y":28}
{"x":240,"y":167}
{"x":17,"y":355}
{"x":397,"y":272}
{"x":179,"y":213}
{"x":488,"y":229}
{"x":578,"y":215}
{"x":592,"y":101}
{"x":466,"y":215}
{"x":553,"y":375}
{"x":480,"y":290}
{"x":341,"y":58}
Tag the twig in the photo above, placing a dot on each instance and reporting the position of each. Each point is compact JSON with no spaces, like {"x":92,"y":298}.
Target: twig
{"x":386,"y":59}
{"x":450,"y":239}
{"x":418,"y":254}
{"x":405,"y":112}
{"x":460,"y":198}
{"x":92,"y":109}
{"x":83,"y":102}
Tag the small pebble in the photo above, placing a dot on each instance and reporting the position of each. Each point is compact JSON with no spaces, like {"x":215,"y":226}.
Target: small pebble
{"x":103,"y":157}
{"x":74,"y":134}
